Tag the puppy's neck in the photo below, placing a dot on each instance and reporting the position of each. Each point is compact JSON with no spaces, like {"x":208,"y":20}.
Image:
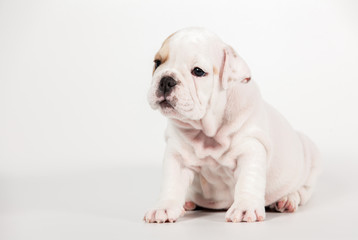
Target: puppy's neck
{"x":211,"y":122}
{"x":215,"y":114}
{"x":231,"y":107}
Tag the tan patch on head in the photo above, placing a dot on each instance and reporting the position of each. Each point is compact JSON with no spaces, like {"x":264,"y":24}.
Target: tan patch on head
{"x":163,"y":53}
{"x":215,"y":70}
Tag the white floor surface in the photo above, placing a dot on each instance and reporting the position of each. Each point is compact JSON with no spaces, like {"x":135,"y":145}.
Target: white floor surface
{"x":109,"y":203}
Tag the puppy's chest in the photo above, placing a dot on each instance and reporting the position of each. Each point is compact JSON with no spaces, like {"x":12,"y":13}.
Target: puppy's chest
{"x":213,"y":153}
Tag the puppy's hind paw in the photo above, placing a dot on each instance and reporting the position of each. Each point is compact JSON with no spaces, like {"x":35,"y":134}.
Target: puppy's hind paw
{"x":189,"y":206}
{"x":288,"y":203}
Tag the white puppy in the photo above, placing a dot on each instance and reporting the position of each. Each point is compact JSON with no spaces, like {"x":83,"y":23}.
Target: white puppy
{"x":226,"y":147}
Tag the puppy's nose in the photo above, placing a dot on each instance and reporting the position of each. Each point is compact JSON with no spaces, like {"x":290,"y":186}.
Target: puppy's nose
{"x":166,"y":84}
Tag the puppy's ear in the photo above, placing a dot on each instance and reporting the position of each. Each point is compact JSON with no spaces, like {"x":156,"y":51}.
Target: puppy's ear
{"x":233,"y":68}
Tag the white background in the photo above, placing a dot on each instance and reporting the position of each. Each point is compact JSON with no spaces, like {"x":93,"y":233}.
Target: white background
{"x":80,"y":148}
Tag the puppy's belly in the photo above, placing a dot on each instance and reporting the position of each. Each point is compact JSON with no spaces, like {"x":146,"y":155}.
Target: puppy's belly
{"x":213,"y":188}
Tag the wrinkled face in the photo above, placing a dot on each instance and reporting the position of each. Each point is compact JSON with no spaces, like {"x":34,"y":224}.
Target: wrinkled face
{"x":191,"y":68}
{"x":185,"y":72}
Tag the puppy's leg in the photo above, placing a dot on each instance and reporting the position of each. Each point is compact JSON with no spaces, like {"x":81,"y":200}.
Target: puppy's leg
{"x":249,"y":198}
{"x":312,"y":155}
{"x":175,"y":183}
{"x":291,"y":202}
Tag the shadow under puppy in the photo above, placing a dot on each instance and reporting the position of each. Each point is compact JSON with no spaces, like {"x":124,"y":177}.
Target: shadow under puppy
{"x":226,"y":147}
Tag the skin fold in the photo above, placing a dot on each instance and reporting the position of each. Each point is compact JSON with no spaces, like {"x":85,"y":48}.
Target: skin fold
{"x":226,"y":147}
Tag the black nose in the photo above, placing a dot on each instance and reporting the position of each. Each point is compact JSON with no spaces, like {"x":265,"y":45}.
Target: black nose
{"x":166,"y":84}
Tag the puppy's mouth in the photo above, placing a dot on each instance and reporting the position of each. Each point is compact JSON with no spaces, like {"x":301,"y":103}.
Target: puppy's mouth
{"x":165,"y":104}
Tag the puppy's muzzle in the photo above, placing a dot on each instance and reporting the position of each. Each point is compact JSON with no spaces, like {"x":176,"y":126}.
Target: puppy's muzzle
{"x":166,"y":85}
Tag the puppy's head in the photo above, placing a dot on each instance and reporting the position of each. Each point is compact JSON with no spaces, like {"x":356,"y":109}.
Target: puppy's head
{"x":190,"y":68}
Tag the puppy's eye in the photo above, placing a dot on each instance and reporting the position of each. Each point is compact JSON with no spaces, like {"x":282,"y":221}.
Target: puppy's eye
{"x":157,"y":63}
{"x":198,"y":72}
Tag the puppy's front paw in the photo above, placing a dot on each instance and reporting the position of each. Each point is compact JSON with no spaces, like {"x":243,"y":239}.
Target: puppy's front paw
{"x":237,"y":213}
{"x":166,"y":211}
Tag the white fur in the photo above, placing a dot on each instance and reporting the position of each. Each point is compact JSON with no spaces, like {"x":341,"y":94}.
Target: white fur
{"x":226,"y":147}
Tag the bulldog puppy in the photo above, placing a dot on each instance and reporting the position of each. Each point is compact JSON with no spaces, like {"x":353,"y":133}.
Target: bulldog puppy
{"x":226,"y":147}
